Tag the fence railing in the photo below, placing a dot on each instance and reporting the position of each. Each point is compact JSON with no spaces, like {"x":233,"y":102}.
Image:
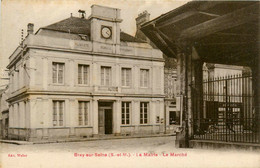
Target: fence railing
{"x":224,"y":110}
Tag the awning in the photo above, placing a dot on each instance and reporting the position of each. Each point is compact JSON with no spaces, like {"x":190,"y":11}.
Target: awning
{"x":224,"y":32}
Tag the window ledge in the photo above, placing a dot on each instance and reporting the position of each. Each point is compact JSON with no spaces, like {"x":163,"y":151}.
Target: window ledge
{"x":126,"y":86}
{"x":82,"y":85}
{"x":59,"y":127}
{"x":127,"y":125}
{"x":108,"y":88}
{"x":85,"y":126}
{"x":146,"y":124}
{"x":57,"y":84}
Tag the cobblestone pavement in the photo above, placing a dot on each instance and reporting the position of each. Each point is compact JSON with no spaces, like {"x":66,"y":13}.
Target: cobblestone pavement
{"x":136,"y":152}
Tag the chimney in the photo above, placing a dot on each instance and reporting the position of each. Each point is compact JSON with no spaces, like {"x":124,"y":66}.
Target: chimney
{"x":30,"y":28}
{"x":142,"y":18}
{"x":82,"y":13}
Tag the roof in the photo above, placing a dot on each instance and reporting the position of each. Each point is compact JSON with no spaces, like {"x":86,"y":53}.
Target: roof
{"x":76,"y":25}
{"x":223,"y":32}
{"x":73,"y":25}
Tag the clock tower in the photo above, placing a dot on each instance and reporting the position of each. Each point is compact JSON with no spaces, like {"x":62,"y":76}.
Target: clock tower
{"x":105,"y":24}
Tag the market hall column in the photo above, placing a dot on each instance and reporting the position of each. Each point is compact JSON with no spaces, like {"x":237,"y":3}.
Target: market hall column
{"x":189,"y":76}
{"x":256,"y":87}
{"x":196,"y":86}
{"x":255,"y":67}
{"x":181,"y":137}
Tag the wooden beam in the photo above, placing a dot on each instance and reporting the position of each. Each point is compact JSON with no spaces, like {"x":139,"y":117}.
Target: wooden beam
{"x":166,"y":44}
{"x":203,"y":6}
{"x":176,"y":19}
{"x":227,"y":21}
{"x":235,"y":34}
{"x":209,"y":14}
{"x":239,"y":43}
{"x":209,"y":4}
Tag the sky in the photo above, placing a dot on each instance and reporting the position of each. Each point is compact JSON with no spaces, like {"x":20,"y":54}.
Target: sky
{"x":16,"y":14}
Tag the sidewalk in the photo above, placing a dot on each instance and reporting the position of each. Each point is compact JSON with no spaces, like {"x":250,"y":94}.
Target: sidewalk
{"x":101,"y":137}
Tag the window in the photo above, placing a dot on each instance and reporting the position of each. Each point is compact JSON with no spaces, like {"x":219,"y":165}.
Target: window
{"x":143,"y":113}
{"x":144,"y":77}
{"x":84,"y":37}
{"x":57,"y":72}
{"x":83,"y":113}
{"x":83,"y":74}
{"x":174,"y":118}
{"x":58,"y":112}
{"x":105,"y":76}
{"x":126,"y":76}
{"x":157,"y":119}
{"x":125,"y":113}
{"x":12,"y":82}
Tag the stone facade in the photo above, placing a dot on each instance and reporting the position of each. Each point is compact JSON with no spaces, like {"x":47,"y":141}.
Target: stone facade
{"x":211,"y":71}
{"x":171,"y":113}
{"x":68,"y":84}
{"x":4,"y":115}
{"x":172,"y":116}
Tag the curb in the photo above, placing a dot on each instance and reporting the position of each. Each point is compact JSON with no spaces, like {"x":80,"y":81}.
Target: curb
{"x":83,"y":139}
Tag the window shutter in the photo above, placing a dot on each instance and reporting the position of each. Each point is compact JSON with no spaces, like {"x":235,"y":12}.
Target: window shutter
{"x":54,"y":73}
{"x":127,"y":77}
{"x":80,"y":113}
{"x":85,"y":74}
{"x":61,"y":114}
{"x":141,"y":78}
{"x":80,"y":74}
{"x":60,"y":73}
{"x":54,"y":113}
{"x":86,"y":113}
{"x":107,"y":76}
{"x":123,"y":77}
{"x":145,"y":78}
{"x":102,"y":76}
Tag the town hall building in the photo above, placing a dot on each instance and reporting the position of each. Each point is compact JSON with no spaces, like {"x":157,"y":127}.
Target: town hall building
{"x":83,"y":77}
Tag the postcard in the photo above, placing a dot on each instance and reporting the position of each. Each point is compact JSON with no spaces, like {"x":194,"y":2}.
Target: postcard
{"x":129,"y":83}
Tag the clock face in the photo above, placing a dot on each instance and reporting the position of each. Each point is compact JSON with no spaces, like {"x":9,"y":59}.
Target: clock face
{"x":106,"y":32}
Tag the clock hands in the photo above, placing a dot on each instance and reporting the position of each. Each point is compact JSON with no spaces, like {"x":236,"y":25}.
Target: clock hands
{"x":106,"y":32}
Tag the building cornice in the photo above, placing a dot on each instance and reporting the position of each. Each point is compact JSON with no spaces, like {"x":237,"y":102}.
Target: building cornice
{"x":27,"y":93}
{"x":96,"y":53}
{"x":86,"y":47}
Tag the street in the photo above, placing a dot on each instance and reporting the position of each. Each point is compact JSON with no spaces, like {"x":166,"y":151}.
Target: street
{"x":135,"y":152}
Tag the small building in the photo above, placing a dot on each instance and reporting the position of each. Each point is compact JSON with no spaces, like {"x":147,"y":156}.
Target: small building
{"x":211,"y":71}
{"x":4,"y":113}
{"x":84,"y":77}
{"x":172,"y":115}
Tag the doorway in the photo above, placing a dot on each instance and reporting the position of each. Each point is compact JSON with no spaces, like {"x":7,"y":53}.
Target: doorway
{"x":105,"y":118}
{"x":108,"y":121}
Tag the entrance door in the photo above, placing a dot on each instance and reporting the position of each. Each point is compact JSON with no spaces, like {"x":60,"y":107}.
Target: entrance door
{"x":108,"y":121}
{"x":105,"y":118}
{"x":6,"y":128}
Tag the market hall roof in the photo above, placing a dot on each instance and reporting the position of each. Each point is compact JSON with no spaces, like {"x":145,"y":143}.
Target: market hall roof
{"x":81,"y":26}
{"x":224,"y":32}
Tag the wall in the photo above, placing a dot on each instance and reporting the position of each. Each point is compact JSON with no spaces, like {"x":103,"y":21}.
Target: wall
{"x":31,"y":113}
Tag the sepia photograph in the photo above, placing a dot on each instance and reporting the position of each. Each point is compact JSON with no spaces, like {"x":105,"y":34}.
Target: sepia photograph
{"x":129,"y":83}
